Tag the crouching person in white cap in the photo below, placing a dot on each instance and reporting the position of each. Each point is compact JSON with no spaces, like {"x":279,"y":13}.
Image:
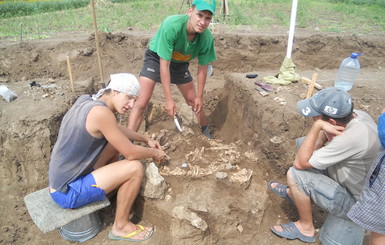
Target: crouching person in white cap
{"x":331,"y":163}
{"x":84,"y":164}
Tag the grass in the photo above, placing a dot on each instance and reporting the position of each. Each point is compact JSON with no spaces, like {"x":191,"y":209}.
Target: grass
{"x":39,"y":19}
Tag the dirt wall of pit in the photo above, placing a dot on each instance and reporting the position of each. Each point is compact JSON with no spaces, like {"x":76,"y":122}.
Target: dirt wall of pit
{"x":235,"y":53}
{"x":264,"y":125}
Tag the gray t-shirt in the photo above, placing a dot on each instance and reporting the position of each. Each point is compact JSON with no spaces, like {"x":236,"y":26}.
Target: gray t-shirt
{"x":76,"y":151}
{"x":348,"y":157}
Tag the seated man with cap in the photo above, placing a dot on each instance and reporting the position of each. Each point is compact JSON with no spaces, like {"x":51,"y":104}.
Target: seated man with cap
{"x":331,"y":163}
{"x":84,"y":164}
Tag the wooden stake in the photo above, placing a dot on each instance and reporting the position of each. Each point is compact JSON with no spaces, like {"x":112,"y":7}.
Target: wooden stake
{"x":70,"y":74}
{"x":311,"y":85}
{"x":97,"y":45}
{"x":308,"y":81}
{"x":225,"y":8}
{"x":21,"y":32}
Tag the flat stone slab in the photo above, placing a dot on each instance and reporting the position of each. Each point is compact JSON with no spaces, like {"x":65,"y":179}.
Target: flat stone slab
{"x":48,"y":216}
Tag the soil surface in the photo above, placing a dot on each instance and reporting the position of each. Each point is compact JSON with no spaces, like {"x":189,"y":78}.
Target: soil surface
{"x":225,"y":179}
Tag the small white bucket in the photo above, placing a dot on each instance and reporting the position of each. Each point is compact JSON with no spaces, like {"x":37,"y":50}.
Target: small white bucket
{"x":82,"y":229}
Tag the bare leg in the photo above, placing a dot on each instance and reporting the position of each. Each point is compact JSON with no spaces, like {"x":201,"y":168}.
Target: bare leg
{"x":377,"y":239}
{"x":189,"y":94}
{"x":136,"y":115}
{"x":303,"y":204}
{"x":127,"y":176}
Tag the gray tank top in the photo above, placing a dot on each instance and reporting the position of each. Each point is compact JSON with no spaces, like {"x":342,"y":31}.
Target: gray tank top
{"x":76,"y":151}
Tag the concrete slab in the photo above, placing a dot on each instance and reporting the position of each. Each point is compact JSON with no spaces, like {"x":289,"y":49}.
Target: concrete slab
{"x":48,"y":216}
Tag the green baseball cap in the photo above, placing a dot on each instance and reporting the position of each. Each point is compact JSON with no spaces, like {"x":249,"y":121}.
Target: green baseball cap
{"x":209,"y":5}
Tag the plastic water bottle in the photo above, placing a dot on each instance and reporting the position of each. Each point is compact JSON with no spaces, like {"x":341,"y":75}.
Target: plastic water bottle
{"x":347,"y":73}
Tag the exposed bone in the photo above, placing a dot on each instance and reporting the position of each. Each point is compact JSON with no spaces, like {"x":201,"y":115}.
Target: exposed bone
{"x":242,"y":176}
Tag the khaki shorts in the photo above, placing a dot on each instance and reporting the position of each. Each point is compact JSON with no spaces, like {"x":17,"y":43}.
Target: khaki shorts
{"x":325,"y":192}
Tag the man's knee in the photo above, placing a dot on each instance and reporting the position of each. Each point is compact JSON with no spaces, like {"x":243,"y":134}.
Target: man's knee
{"x":190,"y":101}
{"x":301,"y":179}
{"x":137,"y":169}
{"x":290,"y":177}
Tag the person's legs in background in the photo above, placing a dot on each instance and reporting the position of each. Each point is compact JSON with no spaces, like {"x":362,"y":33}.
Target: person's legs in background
{"x":136,"y":115}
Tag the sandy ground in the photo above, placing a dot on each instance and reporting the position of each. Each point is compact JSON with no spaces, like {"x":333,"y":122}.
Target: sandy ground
{"x":253,"y":134}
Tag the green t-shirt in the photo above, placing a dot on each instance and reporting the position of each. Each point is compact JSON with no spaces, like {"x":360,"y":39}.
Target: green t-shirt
{"x":171,"y":43}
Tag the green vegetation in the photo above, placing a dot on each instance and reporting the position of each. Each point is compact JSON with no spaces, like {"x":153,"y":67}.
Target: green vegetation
{"x":12,"y":8}
{"x":380,"y":3}
{"x":39,"y":19}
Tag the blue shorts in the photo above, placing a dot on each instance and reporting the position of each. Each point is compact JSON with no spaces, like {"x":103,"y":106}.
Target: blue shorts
{"x":81,"y":191}
{"x":324,"y":191}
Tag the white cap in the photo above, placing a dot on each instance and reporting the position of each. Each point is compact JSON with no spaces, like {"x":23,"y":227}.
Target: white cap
{"x":124,"y":83}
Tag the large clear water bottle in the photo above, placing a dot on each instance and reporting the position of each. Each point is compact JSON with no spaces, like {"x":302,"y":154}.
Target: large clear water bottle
{"x":347,"y":73}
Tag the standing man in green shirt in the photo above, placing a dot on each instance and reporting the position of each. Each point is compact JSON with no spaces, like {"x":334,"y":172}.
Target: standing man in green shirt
{"x":180,"y":38}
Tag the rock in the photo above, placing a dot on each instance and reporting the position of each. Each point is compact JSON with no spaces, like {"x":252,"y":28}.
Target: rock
{"x":240,"y":228}
{"x":7,"y":94}
{"x":4,"y":80}
{"x":182,"y":213}
{"x":197,"y":207}
{"x":153,"y":184}
{"x":276,"y":140}
{"x":221,"y":175}
{"x":187,"y":115}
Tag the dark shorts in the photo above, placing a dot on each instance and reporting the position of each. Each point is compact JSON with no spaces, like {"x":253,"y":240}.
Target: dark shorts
{"x":151,"y":69}
{"x":81,"y":191}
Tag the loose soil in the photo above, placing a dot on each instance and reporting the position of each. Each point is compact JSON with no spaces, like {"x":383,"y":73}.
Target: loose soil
{"x":254,"y":135}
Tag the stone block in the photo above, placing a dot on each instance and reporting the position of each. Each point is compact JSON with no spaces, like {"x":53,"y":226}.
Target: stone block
{"x":48,"y":216}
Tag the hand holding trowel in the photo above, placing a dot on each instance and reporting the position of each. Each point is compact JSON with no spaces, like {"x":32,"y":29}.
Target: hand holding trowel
{"x":171,"y":111}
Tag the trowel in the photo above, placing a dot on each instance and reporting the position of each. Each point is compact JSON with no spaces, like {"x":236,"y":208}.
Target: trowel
{"x":265,"y":86}
{"x":178,"y":122}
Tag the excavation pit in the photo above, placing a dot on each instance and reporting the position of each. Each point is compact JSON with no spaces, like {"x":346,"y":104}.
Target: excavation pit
{"x":216,"y":189}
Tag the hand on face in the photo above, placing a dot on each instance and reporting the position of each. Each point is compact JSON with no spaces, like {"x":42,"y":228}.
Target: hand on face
{"x":331,"y":130}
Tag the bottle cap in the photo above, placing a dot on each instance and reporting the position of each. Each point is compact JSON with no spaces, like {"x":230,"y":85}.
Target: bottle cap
{"x":355,"y":55}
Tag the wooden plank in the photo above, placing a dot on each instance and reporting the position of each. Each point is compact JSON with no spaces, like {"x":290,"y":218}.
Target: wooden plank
{"x":311,"y":85}
{"x":308,"y":81}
